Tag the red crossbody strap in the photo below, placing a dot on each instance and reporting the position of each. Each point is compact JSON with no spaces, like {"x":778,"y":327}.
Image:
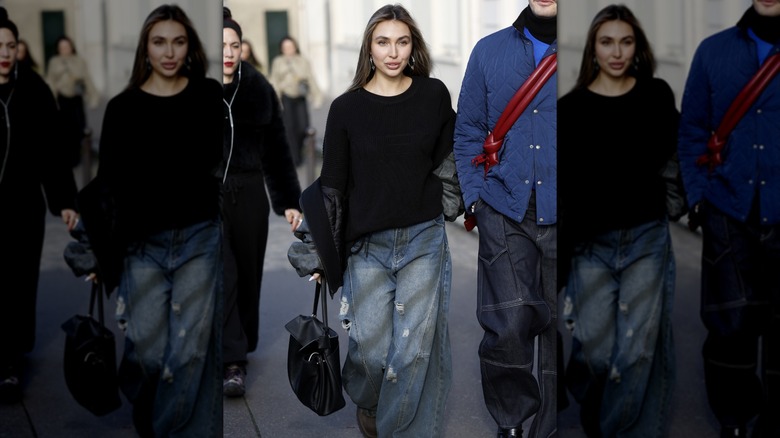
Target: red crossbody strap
{"x":525,"y":95}
{"x":744,"y":100}
{"x":522,"y":98}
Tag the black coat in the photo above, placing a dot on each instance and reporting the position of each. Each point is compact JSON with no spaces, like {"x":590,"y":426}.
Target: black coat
{"x":36,"y":156}
{"x":255,"y":132}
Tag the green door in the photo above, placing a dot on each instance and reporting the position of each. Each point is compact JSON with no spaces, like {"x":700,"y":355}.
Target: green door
{"x":53,"y":28}
{"x":276,"y":29}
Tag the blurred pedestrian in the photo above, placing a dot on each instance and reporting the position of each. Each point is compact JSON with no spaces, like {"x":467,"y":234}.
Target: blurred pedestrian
{"x":160,"y":150}
{"x":257,"y":165}
{"x":737,"y":205}
{"x":620,"y":288}
{"x":296,"y":86}
{"x":515,"y":207}
{"x":24,"y":57}
{"x":384,"y":137}
{"x":69,"y":78}
{"x":33,"y":177}
{"x":248,"y":55}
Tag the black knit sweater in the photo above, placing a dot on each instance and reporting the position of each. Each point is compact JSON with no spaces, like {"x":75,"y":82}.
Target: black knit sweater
{"x":35,"y":157}
{"x":610,"y":155}
{"x":381,"y":151}
{"x":160,"y":156}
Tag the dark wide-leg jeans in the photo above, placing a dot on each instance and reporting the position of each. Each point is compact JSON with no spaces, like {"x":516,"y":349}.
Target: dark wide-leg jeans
{"x":740,"y":306}
{"x":517,"y":304}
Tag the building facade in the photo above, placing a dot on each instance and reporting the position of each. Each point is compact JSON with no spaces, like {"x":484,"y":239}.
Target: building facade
{"x":329,"y":32}
{"x":674,"y":28}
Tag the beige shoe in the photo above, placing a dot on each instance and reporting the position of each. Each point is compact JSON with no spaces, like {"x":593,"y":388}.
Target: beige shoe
{"x":366,"y":423}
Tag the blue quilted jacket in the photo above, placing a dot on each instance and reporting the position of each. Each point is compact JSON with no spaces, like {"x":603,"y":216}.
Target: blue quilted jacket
{"x":721,"y":66}
{"x":498,"y":66}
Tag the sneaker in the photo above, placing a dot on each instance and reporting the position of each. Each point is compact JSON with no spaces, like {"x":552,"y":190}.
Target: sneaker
{"x":10,"y":389}
{"x":366,"y":422}
{"x":233,"y":384}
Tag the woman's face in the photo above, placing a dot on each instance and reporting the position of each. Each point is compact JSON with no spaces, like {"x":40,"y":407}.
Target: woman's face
{"x":64,"y":48}
{"x":231,"y":53}
{"x":615,"y":48}
{"x":391,"y":47}
{"x":288,"y":48}
{"x":167,"y":49}
{"x":8,"y":51}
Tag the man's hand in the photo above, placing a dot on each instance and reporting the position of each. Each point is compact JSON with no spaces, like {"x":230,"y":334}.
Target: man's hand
{"x":694,"y":217}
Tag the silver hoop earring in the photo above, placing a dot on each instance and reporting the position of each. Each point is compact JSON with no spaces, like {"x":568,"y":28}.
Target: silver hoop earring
{"x":411,"y":62}
{"x":148,"y":64}
{"x":371,"y":61}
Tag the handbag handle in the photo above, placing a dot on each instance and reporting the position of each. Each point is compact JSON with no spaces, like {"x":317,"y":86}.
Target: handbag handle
{"x":96,"y":293}
{"x":317,"y":290}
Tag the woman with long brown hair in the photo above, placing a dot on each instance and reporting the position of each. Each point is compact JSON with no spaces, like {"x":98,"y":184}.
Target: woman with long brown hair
{"x":384,"y":137}
{"x":160,"y":148}
{"x":620,"y":288}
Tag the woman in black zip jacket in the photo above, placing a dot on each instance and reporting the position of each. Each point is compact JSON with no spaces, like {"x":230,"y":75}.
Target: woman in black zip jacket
{"x":31,"y":158}
{"x":256,"y":157}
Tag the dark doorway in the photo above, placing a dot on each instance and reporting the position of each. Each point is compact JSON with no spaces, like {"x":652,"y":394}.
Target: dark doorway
{"x":276,"y":25}
{"x":53,"y":25}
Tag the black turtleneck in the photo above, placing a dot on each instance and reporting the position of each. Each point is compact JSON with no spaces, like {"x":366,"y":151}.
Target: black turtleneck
{"x":545,"y":29}
{"x":766,"y":28}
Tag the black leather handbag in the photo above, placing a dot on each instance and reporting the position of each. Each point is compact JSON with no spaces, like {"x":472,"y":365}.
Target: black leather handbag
{"x":313,"y":360}
{"x":90,"y":359}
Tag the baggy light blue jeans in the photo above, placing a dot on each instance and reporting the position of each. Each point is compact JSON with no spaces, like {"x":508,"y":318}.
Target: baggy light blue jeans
{"x":169,"y":306}
{"x":619,"y":304}
{"x":394,"y":305}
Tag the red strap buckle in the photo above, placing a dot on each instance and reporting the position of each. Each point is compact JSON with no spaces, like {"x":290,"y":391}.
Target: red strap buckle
{"x":712,"y":157}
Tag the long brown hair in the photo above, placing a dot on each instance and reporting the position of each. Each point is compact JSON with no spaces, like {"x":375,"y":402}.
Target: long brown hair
{"x":643,"y":64}
{"x":196,"y":64}
{"x":420,"y":52}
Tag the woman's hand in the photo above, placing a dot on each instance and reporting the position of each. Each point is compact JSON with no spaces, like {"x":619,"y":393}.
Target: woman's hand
{"x":70,"y":217}
{"x":316,"y":277}
{"x":294,"y":218}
